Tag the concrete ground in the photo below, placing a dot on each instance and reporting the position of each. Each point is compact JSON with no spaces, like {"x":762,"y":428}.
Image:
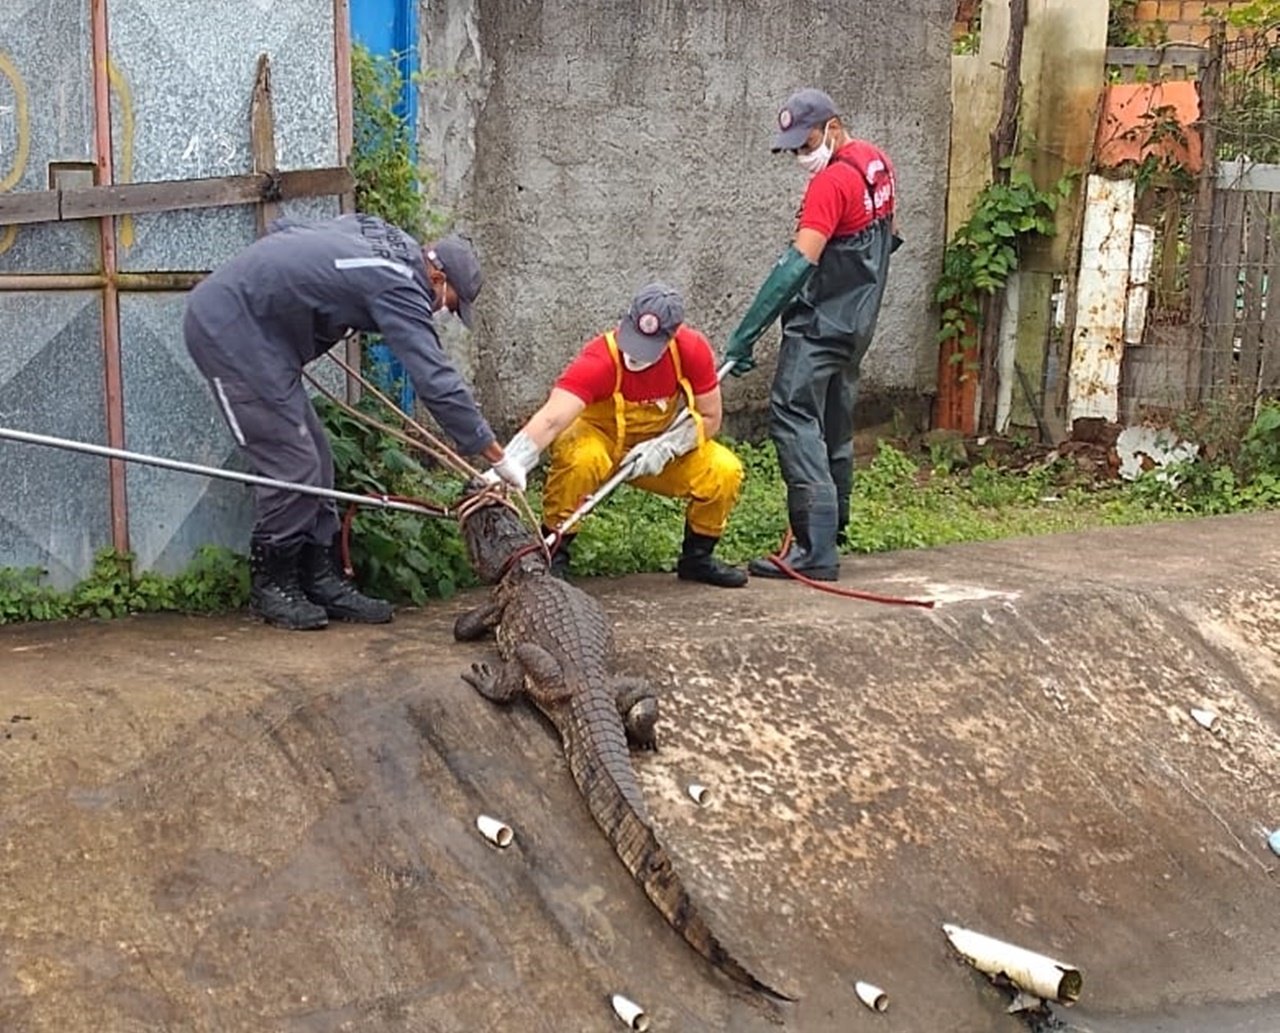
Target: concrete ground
{"x":209,"y":825}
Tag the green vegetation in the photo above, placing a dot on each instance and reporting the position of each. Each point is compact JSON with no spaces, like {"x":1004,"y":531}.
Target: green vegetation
{"x":397,"y":556}
{"x":984,"y":251}
{"x":1125,"y":30}
{"x":389,"y":182}
{"x":216,"y":581}
{"x":905,"y":497}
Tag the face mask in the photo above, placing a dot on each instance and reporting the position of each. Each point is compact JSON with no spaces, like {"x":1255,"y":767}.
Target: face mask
{"x":635,"y":365}
{"x":442,"y":310}
{"x":817,"y":159}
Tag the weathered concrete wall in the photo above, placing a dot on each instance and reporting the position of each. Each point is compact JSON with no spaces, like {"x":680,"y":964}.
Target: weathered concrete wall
{"x":1062,"y":77}
{"x":592,"y":147}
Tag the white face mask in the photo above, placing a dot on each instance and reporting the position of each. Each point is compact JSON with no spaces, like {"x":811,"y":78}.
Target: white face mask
{"x":442,"y":310}
{"x":818,"y":158}
{"x":635,"y":365}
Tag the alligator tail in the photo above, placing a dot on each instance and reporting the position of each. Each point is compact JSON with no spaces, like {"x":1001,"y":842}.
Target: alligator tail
{"x":648,"y":861}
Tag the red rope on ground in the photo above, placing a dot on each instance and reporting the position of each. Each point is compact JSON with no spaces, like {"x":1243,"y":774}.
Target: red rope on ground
{"x":847,"y":593}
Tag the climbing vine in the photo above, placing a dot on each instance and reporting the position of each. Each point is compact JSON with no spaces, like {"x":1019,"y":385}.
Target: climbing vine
{"x":389,"y":180}
{"x":984,"y":251}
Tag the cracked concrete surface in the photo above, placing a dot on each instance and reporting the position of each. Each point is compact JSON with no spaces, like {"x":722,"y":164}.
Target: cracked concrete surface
{"x":211,"y":825}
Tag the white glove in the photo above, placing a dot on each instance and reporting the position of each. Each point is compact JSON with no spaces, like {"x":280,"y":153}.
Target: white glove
{"x":519,"y":457}
{"x":509,"y":470}
{"x":649,"y":458}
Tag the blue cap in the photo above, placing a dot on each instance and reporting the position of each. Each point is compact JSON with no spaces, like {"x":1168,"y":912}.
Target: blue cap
{"x":651,"y":321}
{"x":803,"y":112}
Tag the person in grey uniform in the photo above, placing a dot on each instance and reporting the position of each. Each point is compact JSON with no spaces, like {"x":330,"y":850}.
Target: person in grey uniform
{"x":284,"y":300}
{"x":827,"y":287}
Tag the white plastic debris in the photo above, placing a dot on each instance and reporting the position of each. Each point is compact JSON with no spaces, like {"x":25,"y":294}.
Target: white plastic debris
{"x":1273,"y":842}
{"x":631,"y":1014}
{"x":1205,"y":718}
{"x":871,"y":995}
{"x":1032,"y":974}
{"x":1159,"y":446}
{"x":496,"y":832}
{"x":699,"y":794}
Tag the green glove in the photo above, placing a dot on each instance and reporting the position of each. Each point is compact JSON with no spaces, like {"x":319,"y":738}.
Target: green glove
{"x":788,"y":276}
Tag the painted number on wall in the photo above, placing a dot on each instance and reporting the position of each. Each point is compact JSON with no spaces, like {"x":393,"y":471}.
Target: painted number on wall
{"x":15,"y":135}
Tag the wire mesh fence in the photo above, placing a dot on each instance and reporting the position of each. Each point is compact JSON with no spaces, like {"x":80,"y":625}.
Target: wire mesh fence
{"x":1212,"y":336}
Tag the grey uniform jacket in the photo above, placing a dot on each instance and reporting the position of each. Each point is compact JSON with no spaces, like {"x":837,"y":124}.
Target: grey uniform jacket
{"x":288,"y":297}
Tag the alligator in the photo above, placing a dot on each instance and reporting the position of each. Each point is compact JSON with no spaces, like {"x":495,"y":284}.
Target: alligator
{"x":555,"y":643}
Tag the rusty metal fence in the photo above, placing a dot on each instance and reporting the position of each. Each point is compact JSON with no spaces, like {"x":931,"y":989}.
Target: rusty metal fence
{"x":1212,"y":336}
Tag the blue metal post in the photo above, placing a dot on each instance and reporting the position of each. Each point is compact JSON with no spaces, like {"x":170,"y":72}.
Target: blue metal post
{"x":390,"y":28}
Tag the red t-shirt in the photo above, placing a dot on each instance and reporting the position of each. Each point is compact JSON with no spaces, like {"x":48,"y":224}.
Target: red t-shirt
{"x":592,"y":374}
{"x":851,"y":193}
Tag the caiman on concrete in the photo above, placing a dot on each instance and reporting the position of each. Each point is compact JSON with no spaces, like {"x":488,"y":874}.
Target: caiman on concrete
{"x":555,"y":643}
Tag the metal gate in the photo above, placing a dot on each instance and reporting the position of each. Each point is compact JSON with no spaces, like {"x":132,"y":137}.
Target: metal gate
{"x":128,"y":170}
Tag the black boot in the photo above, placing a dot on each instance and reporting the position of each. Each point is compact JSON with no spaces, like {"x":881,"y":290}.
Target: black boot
{"x":324,"y":584}
{"x":697,"y":564}
{"x":842,"y":520}
{"x":276,"y":596}
{"x":560,"y":558}
{"x":812,"y":509}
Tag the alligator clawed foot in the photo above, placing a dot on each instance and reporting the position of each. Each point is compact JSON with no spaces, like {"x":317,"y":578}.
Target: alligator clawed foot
{"x":640,"y":721}
{"x":482,"y":678}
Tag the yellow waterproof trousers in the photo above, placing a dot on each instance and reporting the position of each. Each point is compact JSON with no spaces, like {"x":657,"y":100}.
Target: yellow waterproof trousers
{"x":586,"y":455}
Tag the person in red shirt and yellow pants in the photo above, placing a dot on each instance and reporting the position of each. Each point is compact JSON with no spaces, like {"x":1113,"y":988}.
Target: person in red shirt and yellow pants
{"x":616,"y":401}
{"x":827,"y":288}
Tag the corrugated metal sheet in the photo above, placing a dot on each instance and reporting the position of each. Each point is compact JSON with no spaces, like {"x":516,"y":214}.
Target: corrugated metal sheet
{"x":169,"y":411}
{"x":182,"y":75}
{"x":1097,"y":349}
{"x":53,"y":509}
{"x":46,"y":114}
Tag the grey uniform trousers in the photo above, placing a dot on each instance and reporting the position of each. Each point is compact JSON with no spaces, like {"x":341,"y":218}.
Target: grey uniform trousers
{"x":284,"y":440}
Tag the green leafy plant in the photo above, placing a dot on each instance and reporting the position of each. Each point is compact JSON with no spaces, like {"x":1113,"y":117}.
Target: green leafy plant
{"x":389,"y":182}
{"x":985,"y":250}
{"x":1162,"y":137}
{"x":1257,"y":16}
{"x":397,"y":556}
{"x":216,"y":581}
{"x":1125,"y":29}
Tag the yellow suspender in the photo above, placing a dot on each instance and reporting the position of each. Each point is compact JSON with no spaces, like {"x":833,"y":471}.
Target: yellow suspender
{"x":619,"y":404}
{"x":688,"y":390}
{"x":619,"y":416}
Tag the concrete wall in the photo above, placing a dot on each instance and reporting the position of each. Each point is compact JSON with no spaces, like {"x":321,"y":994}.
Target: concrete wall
{"x":1062,"y":79}
{"x":590,"y":148}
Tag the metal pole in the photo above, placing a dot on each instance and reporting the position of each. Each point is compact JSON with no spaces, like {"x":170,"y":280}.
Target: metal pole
{"x":373,"y":501}
{"x":607,"y":489}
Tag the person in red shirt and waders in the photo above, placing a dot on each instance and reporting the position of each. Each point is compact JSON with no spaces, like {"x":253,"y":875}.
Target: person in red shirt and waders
{"x":827,"y":288}
{"x":616,"y":400}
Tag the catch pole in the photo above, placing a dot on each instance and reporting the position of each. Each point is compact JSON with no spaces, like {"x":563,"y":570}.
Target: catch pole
{"x":372,"y":501}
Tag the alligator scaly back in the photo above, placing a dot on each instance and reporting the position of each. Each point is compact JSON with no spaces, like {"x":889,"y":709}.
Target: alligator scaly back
{"x":592,"y":736}
{"x":555,"y":641}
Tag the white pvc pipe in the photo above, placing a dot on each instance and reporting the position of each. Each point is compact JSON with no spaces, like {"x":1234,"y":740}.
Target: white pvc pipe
{"x":496,"y":832}
{"x":699,"y":794}
{"x":630,"y":1013}
{"x":871,"y":995}
{"x":1030,"y":972}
